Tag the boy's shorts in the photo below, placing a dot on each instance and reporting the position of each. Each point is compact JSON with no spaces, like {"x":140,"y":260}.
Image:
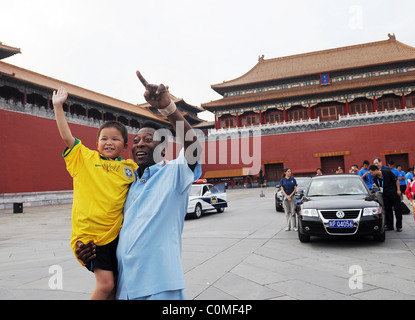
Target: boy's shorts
{"x":106,"y":258}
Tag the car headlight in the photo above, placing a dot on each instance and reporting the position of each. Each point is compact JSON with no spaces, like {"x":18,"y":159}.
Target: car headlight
{"x":309,"y":212}
{"x":371,"y":211}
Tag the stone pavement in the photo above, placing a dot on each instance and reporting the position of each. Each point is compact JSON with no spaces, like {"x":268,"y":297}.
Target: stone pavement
{"x":242,"y":253}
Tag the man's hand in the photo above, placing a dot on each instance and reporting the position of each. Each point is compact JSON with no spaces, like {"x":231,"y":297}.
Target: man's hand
{"x":156,"y":95}
{"x":59,"y":98}
{"x":85,"y":252}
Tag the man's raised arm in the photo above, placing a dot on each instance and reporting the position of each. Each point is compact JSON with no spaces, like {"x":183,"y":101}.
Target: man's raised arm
{"x":158,"y":96}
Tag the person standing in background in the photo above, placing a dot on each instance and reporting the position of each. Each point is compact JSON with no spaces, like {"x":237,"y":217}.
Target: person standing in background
{"x":288,"y":188}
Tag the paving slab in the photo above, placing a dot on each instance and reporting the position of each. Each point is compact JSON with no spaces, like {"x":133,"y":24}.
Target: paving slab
{"x":243,"y":253}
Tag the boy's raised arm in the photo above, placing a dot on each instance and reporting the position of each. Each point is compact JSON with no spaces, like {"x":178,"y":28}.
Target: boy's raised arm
{"x":58,"y":99}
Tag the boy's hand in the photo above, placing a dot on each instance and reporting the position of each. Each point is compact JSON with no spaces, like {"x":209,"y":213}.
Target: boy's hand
{"x":59,"y":97}
{"x":156,"y":95}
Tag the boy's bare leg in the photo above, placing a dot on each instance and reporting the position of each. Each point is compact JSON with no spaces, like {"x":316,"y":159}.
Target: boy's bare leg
{"x":104,"y":288}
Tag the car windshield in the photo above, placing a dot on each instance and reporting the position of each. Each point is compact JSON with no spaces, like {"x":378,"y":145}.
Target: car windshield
{"x":195,"y":190}
{"x":302,"y":183}
{"x":336,"y":187}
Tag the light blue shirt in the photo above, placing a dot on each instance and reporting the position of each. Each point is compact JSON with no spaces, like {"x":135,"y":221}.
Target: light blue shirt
{"x":150,"y":240}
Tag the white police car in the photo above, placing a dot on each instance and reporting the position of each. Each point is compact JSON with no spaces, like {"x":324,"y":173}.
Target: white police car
{"x":204,"y":197}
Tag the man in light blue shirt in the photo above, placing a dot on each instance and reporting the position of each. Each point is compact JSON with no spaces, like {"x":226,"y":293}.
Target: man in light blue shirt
{"x":149,"y":247}
{"x":150,"y":240}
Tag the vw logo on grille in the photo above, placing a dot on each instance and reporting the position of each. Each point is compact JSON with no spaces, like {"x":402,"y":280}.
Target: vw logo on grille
{"x":340,"y":214}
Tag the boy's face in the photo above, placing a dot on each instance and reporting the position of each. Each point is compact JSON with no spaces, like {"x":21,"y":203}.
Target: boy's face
{"x":110,"y":143}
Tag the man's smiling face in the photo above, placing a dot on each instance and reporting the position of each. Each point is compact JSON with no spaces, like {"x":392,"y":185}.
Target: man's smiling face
{"x":143,"y":147}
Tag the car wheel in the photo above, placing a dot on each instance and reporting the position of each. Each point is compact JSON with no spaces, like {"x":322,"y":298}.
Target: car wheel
{"x":379,"y":237}
{"x":198,"y":211}
{"x":220,"y":210}
{"x":303,"y":237}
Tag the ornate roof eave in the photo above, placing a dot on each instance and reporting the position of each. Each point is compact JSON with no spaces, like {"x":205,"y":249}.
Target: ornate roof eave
{"x":348,"y":121}
{"x":310,"y":91}
{"x":343,"y":58}
{"x":17,"y":74}
{"x":7,"y":51}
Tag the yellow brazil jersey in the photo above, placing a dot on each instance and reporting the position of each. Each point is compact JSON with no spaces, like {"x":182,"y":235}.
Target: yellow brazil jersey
{"x":100,"y":187}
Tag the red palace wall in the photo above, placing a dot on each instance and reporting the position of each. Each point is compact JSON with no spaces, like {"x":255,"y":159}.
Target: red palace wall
{"x":31,"y":153}
{"x":297,"y":150}
{"x":31,"y":150}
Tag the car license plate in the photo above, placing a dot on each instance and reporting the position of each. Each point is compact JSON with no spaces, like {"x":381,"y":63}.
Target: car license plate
{"x":341,"y":224}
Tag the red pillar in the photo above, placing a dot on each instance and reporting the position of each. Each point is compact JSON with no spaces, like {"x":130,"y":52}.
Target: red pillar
{"x":375,"y":104}
{"x":216,"y":123}
{"x":284,"y":113}
{"x":310,"y":116}
{"x":237,"y":120}
{"x":347,"y":107}
{"x":403,"y":105}
{"x":260,"y":116}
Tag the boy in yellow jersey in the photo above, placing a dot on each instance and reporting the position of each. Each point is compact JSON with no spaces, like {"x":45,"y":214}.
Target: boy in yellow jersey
{"x":101,"y":180}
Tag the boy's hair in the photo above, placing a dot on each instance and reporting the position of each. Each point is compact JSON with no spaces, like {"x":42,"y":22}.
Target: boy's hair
{"x":117,"y":125}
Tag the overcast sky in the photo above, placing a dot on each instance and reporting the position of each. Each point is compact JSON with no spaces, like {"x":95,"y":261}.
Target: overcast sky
{"x":186,"y":44}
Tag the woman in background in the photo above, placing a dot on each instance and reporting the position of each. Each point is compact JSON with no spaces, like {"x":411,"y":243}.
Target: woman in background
{"x":289,"y":187}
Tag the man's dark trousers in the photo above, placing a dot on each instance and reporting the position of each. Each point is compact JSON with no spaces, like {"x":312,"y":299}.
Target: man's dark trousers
{"x":391,"y":200}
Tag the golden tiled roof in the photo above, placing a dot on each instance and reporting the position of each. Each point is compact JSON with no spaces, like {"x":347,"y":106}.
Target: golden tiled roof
{"x":363,"y":55}
{"x":53,"y":84}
